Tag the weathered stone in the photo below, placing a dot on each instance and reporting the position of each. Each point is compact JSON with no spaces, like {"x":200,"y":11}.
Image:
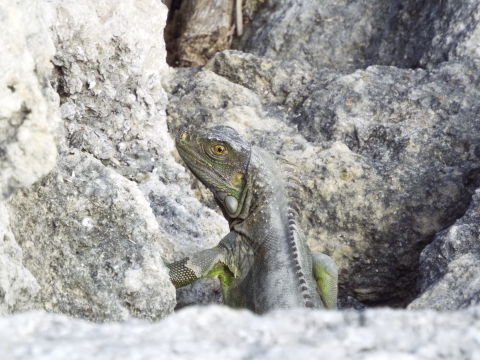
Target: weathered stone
{"x":92,"y":242}
{"x":219,"y":332}
{"x":109,"y":76}
{"x":389,"y":157}
{"x":28,"y":115}
{"x":350,"y":303}
{"x":87,"y":232}
{"x":356,"y":34}
{"x":449,"y":274}
{"x":18,"y":287}
{"x":27,"y":149}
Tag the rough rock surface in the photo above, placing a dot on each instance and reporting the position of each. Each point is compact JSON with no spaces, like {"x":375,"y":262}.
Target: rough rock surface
{"x":356,"y":34}
{"x":222,"y":333}
{"x":27,"y":149}
{"x":113,"y":105}
{"x":389,"y":156}
{"x":93,"y":216}
{"x":449,"y":274}
{"x":92,"y":242}
{"x":18,"y":287}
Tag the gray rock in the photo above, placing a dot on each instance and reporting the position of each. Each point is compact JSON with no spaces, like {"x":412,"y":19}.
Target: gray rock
{"x":426,"y":33}
{"x":389,"y":157}
{"x":87,"y":231}
{"x":350,"y":303}
{"x":92,"y":242}
{"x":202,"y":292}
{"x":18,"y":287}
{"x":109,"y":76}
{"x":28,"y":116}
{"x":27,"y":148}
{"x":222,"y":333}
{"x":356,"y":34}
{"x":449,"y":274}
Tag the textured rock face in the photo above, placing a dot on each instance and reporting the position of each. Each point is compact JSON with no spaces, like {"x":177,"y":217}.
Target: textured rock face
{"x":78,"y":227}
{"x":450,"y":266}
{"x":18,"y":287}
{"x":389,"y":156}
{"x":27,"y":149}
{"x":356,"y":34}
{"x":219,"y":332}
{"x":113,"y":106}
{"x":92,"y":242}
{"x":87,"y":231}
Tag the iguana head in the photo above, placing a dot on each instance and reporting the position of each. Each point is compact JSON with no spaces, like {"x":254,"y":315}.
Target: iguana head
{"x":219,"y":158}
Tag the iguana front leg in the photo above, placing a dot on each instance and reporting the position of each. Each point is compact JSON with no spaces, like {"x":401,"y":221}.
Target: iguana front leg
{"x":227,"y":260}
{"x":325,"y":272}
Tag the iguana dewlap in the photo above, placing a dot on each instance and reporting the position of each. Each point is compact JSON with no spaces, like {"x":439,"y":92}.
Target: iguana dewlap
{"x":264,"y":262}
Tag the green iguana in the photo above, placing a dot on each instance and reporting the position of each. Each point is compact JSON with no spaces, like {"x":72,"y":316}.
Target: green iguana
{"x":264,"y":262}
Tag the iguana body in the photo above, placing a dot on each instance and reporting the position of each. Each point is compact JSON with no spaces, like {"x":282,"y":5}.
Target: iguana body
{"x":264,"y":262}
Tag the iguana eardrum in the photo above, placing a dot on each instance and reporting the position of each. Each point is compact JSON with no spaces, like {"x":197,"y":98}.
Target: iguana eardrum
{"x":264,"y":262}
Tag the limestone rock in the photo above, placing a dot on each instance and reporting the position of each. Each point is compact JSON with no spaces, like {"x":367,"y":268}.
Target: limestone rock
{"x":28,"y":117}
{"x":18,"y":287}
{"x":218,"y":332}
{"x":356,"y":34}
{"x":450,"y":266}
{"x":87,"y":231}
{"x":389,"y":156}
{"x":27,"y":148}
{"x":113,"y":105}
{"x":92,"y":242}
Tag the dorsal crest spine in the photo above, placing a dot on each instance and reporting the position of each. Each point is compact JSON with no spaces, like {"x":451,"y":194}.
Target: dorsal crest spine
{"x":293,"y":189}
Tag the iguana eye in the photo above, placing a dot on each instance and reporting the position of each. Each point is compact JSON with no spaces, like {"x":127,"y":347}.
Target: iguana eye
{"x":220,"y":149}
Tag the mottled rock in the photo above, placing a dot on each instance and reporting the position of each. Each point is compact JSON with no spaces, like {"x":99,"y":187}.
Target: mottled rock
{"x":426,"y":33}
{"x":108,"y":75}
{"x":113,"y":105}
{"x":389,"y":156}
{"x":218,"y":332}
{"x":28,"y":116}
{"x":18,"y":287}
{"x":356,"y":34}
{"x":27,"y":148}
{"x":449,"y":274}
{"x":92,"y":242}
{"x":350,"y":303}
{"x":87,"y":231}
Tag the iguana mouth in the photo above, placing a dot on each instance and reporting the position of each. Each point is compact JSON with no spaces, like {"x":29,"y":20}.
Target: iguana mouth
{"x":190,"y":159}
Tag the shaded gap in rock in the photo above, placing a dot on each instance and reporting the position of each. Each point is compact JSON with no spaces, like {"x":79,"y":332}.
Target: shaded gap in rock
{"x":57,"y":81}
{"x":209,"y":40}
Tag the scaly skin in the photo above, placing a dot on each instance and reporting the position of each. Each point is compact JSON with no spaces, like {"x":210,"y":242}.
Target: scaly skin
{"x":264,"y":262}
